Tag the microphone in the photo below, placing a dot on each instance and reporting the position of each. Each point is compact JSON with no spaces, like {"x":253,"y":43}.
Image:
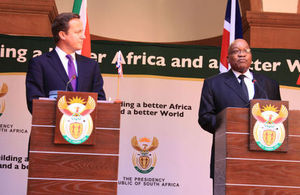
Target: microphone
{"x":260,"y":88}
{"x":71,"y":79}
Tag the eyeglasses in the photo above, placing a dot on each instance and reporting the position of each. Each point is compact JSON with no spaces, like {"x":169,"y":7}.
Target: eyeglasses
{"x":237,"y":51}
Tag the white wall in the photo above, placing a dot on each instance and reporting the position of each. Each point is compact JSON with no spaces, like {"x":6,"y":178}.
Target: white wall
{"x":153,"y":21}
{"x":284,"y":6}
{"x":162,"y":20}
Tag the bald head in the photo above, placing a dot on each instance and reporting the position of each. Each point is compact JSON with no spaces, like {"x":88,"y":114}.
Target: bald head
{"x":239,"y":55}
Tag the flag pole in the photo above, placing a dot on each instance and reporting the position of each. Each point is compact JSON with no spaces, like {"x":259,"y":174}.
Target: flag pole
{"x":120,"y":74}
{"x":118,"y":89}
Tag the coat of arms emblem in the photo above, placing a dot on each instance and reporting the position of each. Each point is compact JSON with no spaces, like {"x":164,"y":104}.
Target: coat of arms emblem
{"x":3,"y":92}
{"x":269,"y":132}
{"x":144,"y":159}
{"x":76,"y":124}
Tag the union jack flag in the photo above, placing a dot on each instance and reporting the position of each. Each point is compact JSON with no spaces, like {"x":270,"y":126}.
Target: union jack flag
{"x":232,"y":30}
{"x":119,"y":64}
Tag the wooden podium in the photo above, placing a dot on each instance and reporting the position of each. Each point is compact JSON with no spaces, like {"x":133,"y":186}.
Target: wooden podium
{"x":70,"y":168}
{"x":240,"y":171}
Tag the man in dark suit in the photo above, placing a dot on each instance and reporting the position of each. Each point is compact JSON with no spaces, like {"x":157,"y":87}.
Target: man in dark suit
{"x":62,"y":68}
{"x":230,"y":89}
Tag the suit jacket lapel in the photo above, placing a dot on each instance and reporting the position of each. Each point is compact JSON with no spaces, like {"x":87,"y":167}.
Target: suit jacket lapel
{"x":80,"y":70}
{"x":58,"y":66}
{"x":258,"y":93}
{"x":233,"y":83}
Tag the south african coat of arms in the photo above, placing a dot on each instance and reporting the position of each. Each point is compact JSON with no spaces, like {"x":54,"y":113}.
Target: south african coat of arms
{"x":3,"y":92}
{"x":269,"y":132}
{"x":76,"y":124}
{"x":144,"y":159}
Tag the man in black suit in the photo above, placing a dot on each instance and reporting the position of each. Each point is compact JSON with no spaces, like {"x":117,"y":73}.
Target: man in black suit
{"x":56,"y":69}
{"x":230,"y":89}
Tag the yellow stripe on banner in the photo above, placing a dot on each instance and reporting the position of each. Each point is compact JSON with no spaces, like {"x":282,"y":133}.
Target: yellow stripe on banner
{"x":289,"y":87}
{"x":153,"y":76}
{"x":12,"y":73}
{"x":147,"y":76}
{"x":178,"y":78}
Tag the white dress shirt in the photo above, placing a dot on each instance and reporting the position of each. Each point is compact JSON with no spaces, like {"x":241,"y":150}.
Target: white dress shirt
{"x":65,"y":60}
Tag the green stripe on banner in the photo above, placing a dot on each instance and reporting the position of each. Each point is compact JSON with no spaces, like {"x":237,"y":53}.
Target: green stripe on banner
{"x":77,"y":6}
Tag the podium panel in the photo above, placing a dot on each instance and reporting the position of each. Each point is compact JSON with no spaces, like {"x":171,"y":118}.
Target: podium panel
{"x":240,"y":171}
{"x":73,"y":169}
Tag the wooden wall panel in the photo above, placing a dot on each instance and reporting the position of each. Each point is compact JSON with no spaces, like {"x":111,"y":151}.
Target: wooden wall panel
{"x":256,"y":190}
{"x":106,"y":141}
{"x":66,"y":187}
{"x":239,"y":148}
{"x":257,"y":172}
{"x":20,"y":17}
{"x":273,"y":30}
{"x":73,"y":166}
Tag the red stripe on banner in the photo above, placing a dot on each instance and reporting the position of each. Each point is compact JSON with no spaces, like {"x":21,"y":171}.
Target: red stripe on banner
{"x":298,"y":81}
{"x":86,"y":47}
{"x":224,"y":48}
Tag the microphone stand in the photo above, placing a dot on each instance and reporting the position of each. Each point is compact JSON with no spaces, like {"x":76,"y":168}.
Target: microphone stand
{"x":72,"y":78}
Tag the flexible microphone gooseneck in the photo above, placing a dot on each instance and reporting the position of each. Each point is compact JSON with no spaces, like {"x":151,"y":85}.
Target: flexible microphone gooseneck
{"x":72,"y":78}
